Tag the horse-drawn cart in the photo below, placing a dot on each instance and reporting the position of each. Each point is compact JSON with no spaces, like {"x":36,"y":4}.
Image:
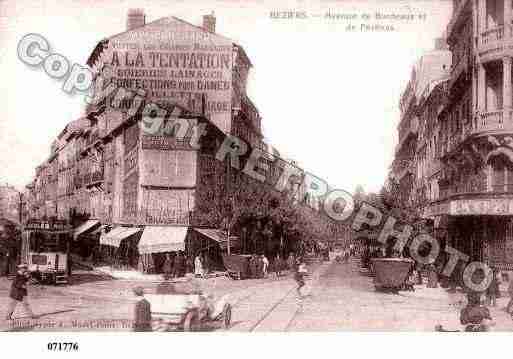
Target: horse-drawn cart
{"x":237,"y":265}
{"x":391,"y":273}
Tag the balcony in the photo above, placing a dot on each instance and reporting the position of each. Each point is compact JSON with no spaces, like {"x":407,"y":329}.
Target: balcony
{"x":460,"y":67}
{"x":88,"y":179}
{"x":493,"y":42}
{"x":494,"y":121}
{"x":403,"y":166}
{"x":492,"y":35}
{"x":407,"y":128}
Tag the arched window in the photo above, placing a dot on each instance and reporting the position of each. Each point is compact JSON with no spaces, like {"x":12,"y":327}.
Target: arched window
{"x":501,"y":174}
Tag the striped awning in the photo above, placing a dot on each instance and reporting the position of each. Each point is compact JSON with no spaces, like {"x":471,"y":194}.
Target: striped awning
{"x":85,"y":227}
{"x":156,"y":239}
{"x":220,"y":237}
{"x":115,"y":236}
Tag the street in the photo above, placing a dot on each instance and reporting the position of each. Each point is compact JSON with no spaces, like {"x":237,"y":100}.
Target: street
{"x":337,"y":297}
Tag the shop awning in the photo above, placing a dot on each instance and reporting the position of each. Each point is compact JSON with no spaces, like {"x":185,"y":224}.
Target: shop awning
{"x":157,"y":239}
{"x":220,"y":237}
{"x":115,"y":236}
{"x":85,"y":227}
{"x":98,"y":230}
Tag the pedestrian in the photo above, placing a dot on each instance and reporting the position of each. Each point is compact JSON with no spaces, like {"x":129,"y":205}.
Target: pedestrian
{"x":418,"y":272}
{"x":252,"y":267}
{"x":189,"y":264}
{"x":291,"y":261}
{"x":278,"y":265}
{"x":198,"y":267}
{"x":474,"y":316}
{"x":410,"y":281}
{"x":493,"y":290}
{"x":432,"y":277}
{"x":18,"y":293}
{"x":265,"y":265}
{"x":299,"y":275}
{"x":259,"y":266}
{"x":179,"y":267}
{"x":142,"y":312}
{"x":167,"y":267}
{"x":510,"y":293}
{"x":206,"y":264}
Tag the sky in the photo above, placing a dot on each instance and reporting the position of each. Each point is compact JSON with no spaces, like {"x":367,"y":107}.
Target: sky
{"x":328,"y":97}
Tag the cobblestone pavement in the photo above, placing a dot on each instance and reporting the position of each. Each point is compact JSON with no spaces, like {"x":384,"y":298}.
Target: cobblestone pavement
{"x":96,"y":302}
{"x":337,"y":297}
{"x":345,"y":300}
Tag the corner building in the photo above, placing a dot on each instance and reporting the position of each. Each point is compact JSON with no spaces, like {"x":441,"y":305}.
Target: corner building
{"x":465,"y":179}
{"x":134,"y":194}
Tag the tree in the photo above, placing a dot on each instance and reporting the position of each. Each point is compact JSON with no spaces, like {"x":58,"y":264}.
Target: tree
{"x":359,"y":194}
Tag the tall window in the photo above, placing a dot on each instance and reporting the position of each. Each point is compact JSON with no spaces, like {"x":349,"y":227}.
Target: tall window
{"x":501,"y":174}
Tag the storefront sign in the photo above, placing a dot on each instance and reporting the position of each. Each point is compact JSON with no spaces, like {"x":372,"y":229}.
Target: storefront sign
{"x":178,"y":63}
{"x":51,"y":226}
{"x":436,"y":210}
{"x":131,"y":137}
{"x":164,"y":143}
{"x":167,"y":206}
{"x":130,"y":192}
{"x":492,"y":207}
{"x":131,"y":162}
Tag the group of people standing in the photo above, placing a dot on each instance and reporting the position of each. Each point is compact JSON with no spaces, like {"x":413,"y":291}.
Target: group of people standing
{"x":258,"y":266}
{"x":174,"y":267}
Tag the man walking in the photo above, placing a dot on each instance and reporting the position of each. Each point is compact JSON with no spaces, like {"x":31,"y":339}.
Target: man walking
{"x":179,"y":267}
{"x":265,"y":265}
{"x":299,"y":275}
{"x":509,"y":307}
{"x":198,"y":267}
{"x":142,"y":312}
{"x":167,"y":268}
{"x":18,"y":293}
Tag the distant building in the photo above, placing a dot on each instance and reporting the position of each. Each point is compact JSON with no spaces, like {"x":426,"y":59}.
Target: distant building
{"x":10,"y":203}
{"x":408,"y":167}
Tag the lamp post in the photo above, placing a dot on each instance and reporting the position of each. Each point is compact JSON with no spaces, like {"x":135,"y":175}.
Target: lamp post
{"x":20,"y":208}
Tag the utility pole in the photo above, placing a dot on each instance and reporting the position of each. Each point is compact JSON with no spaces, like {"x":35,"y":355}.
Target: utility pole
{"x":20,"y":208}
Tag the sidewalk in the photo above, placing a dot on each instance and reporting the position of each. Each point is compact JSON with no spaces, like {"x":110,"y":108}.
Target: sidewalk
{"x":134,"y":275}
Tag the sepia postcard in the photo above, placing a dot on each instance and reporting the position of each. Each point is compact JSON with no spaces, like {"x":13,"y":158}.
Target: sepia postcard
{"x":255,"y":166}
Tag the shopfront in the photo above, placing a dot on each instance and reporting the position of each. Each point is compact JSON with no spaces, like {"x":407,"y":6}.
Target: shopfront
{"x":482,"y":228}
{"x":157,"y":241}
{"x":118,"y":247}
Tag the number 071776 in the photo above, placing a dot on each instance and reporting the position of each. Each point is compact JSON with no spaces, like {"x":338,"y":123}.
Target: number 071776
{"x":62,"y":347}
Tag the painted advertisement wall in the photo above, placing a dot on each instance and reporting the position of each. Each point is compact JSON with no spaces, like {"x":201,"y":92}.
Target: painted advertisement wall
{"x":175,"y":168}
{"x":166,"y":206}
{"x":174,"y":62}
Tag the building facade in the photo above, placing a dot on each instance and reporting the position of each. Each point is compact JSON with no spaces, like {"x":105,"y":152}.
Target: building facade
{"x":464,"y":151}
{"x":139,"y":170}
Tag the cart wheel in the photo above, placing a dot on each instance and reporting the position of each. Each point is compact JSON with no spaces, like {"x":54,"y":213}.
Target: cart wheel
{"x":227,"y":316}
{"x":191,"y":323}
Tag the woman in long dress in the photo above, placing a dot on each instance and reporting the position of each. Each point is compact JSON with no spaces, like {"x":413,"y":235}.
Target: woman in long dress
{"x":432,"y":277}
{"x":198,"y":267}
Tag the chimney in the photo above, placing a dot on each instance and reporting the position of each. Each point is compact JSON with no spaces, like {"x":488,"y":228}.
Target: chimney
{"x":209,"y":22}
{"x":135,"y":19}
{"x":441,"y":44}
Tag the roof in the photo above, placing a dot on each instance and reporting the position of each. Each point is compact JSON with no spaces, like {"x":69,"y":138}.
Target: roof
{"x":101,"y":45}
